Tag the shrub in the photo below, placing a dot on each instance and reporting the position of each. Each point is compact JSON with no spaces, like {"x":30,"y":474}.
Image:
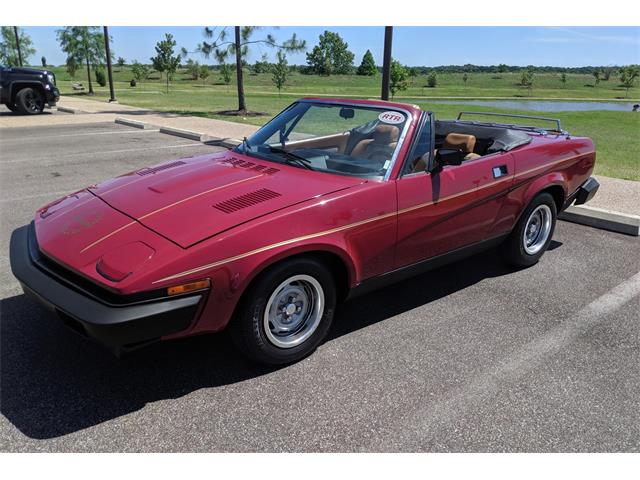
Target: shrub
{"x":100,"y":77}
{"x":432,"y":80}
{"x":133,"y":82}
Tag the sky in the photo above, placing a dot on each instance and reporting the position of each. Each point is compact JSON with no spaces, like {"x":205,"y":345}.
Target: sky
{"x":413,"y":46}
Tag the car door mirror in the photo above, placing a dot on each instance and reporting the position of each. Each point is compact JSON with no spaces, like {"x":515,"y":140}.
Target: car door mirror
{"x":449,"y":156}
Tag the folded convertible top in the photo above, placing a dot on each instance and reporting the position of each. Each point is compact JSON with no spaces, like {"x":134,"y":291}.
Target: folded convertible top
{"x":504,"y":139}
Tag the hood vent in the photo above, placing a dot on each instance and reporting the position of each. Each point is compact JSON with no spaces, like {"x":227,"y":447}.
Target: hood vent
{"x":238,"y":162}
{"x":159,"y":168}
{"x":246,"y":200}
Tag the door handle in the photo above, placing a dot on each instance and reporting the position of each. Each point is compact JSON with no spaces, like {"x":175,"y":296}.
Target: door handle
{"x":499,"y":171}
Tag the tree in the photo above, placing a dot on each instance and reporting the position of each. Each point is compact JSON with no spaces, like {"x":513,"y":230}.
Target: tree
{"x":331,"y":55}
{"x":465,"y":77}
{"x":368,"y":65}
{"x":432,"y":80}
{"x":101,"y":79}
{"x":165,"y":61}
{"x":596,"y":75}
{"x":280,"y":71}
{"x":139,"y":71}
{"x":628,"y":76}
{"x":563,"y":79}
{"x":225,"y":73}
{"x":607,"y":72}
{"x":82,"y":45}
{"x":397,"y":78}
{"x":121,"y":63}
{"x":262,"y":65}
{"x":204,"y":73}
{"x":9,"y":50}
{"x":527,"y":79}
{"x":222,"y":46}
{"x":193,"y":69}
{"x":43,"y":61}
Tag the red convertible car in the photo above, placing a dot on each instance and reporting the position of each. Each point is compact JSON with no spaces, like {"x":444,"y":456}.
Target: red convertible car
{"x":330,"y":198}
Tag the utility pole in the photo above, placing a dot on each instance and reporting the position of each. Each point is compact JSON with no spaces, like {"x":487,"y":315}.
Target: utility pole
{"x":386,"y":62}
{"x":241,"y":102}
{"x":15,"y":32}
{"x":109,"y":72}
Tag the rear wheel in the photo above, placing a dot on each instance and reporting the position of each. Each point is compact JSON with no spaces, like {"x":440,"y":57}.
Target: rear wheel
{"x":532,"y":235}
{"x":286,"y":312}
{"x":29,"y":101}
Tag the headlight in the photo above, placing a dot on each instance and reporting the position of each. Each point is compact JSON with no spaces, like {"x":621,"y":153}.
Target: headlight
{"x":51,"y":78}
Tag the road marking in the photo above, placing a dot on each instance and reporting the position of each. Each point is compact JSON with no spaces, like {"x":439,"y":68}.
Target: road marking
{"x":107,"y":152}
{"x":427,"y":422}
{"x":83,"y":134}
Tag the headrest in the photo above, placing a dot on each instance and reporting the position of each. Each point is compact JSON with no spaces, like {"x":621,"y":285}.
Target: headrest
{"x":386,"y":134}
{"x":466,"y":143}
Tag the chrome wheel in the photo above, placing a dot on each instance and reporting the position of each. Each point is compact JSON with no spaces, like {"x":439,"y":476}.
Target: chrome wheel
{"x":537,"y":230}
{"x":294,"y":311}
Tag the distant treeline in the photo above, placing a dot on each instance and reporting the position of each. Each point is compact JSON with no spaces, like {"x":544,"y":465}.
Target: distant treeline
{"x":502,"y":68}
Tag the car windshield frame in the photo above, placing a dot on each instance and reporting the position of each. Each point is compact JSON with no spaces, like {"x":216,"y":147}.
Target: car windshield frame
{"x":249,"y":148}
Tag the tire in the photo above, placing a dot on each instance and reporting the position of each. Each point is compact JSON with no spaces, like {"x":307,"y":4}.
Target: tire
{"x":12,"y":107}
{"x":267,"y":327}
{"x":29,"y":101}
{"x":532,"y":234}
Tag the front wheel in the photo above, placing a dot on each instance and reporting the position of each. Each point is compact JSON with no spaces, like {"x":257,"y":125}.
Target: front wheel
{"x":29,"y":101}
{"x":286,"y":313}
{"x":532,"y":234}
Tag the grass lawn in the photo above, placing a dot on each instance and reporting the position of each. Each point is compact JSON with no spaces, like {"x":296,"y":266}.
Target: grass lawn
{"x":615,"y":133}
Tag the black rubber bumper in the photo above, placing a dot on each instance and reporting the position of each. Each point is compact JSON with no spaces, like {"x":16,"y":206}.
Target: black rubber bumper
{"x":586,"y":191}
{"x":117,"y":326}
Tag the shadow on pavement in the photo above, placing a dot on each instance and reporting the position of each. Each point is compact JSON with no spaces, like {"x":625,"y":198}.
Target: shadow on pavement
{"x":53,"y":382}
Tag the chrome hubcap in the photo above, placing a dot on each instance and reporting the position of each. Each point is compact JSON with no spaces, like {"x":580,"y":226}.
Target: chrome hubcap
{"x":293,"y":311}
{"x":537,"y":229}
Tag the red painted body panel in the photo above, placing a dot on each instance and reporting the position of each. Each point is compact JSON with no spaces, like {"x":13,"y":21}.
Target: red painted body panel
{"x":172,"y":216}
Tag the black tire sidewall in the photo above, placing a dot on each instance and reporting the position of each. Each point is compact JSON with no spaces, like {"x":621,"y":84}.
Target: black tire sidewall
{"x":21,"y":104}
{"x":247,"y":327}
{"x":515,"y":252}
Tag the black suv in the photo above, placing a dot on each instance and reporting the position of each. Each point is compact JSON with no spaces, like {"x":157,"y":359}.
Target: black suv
{"x":27,"y":90}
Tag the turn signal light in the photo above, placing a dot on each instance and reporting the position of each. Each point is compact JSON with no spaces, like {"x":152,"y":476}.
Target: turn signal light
{"x":189,"y":287}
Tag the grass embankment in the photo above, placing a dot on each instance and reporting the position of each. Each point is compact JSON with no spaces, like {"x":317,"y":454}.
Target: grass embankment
{"x":616,"y":134}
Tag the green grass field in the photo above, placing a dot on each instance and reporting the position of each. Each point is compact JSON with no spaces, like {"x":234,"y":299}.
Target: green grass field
{"x":616,"y":134}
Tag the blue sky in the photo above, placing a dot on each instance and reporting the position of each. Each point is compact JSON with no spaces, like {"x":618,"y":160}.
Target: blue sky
{"x":430,"y":46}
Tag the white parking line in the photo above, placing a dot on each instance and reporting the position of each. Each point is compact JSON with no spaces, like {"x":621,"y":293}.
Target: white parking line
{"x":424,"y":424}
{"x":85,"y":134}
{"x":107,"y":152}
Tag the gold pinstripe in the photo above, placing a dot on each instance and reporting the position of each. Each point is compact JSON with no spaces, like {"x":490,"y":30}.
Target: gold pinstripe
{"x":344,"y":227}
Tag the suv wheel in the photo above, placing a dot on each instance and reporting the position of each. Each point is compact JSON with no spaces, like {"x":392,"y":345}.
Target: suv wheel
{"x":286,"y":313}
{"x":29,"y":101}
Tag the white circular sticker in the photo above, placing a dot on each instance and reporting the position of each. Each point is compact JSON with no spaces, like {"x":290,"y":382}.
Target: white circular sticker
{"x":391,"y":117}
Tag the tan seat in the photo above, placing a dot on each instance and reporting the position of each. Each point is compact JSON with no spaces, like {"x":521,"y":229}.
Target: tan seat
{"x":466,"y":143}
{"x":381,"y":146}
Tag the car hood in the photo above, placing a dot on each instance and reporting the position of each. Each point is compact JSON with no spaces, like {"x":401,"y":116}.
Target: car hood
{"x":189,"y":200}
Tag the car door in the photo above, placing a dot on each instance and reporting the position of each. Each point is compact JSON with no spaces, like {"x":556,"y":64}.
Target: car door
{"x":439,"y":212}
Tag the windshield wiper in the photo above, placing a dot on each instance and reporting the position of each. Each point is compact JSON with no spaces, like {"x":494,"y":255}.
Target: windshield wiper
{"x":292,"y":158}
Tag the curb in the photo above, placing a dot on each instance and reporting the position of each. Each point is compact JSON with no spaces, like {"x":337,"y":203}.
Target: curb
{"x":133,"y":123}
{"x":68,"y":110}
{"x":199,"y":137}
{"x":603,"y":219}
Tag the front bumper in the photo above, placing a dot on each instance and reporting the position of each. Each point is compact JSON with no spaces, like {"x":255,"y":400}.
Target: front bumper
{"x":119,"y":326}
{"x":53,"y":96}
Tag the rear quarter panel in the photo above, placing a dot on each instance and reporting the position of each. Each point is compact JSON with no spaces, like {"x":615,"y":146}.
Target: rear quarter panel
{"x":548,"y":161}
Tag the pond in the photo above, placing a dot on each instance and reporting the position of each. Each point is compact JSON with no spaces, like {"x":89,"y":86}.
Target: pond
{"x":542,"y":105}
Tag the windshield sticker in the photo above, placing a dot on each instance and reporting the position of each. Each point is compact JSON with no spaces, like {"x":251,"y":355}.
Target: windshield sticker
{"x":391,"y":117}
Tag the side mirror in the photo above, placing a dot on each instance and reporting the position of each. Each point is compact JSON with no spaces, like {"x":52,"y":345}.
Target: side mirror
{"x":449,"y":156}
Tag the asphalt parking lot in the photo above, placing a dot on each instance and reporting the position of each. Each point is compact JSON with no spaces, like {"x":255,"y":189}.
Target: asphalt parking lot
{"x":471,"y":357}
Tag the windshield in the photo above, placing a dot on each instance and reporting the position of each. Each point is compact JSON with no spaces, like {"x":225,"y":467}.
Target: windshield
{"x":343,"y":139}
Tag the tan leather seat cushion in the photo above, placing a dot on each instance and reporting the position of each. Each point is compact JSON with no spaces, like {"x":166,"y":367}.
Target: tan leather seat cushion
{"x":466,"y":143}
{"x":383,"y":135}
